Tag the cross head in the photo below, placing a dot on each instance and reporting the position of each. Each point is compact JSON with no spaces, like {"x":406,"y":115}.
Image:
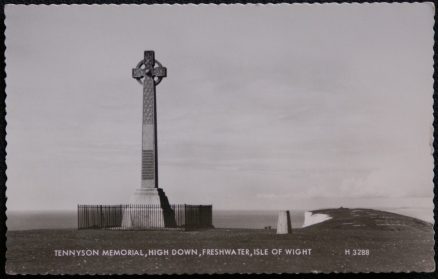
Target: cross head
{"x":147,"y":67}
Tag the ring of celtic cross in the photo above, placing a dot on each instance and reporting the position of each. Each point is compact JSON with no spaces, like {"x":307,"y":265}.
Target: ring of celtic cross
{"x":157,"y":72}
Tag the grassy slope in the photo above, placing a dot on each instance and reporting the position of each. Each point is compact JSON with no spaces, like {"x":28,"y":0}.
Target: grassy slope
{"x":369,"y":219}
{"x":396,"y":243}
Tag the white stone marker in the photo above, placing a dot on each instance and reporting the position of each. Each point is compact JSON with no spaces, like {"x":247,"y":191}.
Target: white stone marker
{"x":284,"y":224}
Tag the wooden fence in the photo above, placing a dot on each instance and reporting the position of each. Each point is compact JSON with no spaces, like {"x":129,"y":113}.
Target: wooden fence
{"x":146,"y":216}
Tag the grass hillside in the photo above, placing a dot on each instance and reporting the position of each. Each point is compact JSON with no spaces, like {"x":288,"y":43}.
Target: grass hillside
{"x":376,"y":241}
{"x":370,"y":219}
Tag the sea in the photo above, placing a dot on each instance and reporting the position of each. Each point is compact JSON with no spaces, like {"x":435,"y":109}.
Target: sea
{"x":244,"y":219}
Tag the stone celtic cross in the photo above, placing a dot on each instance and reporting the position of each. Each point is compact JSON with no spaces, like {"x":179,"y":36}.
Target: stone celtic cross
{"x":149,"y":72}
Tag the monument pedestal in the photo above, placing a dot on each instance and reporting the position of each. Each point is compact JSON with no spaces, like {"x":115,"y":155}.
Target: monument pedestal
{"x":149,"y":196}
{"x":149,"y":208}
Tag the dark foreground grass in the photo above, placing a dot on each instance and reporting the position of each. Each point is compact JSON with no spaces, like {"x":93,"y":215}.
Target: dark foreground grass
{"x":402,"y":244}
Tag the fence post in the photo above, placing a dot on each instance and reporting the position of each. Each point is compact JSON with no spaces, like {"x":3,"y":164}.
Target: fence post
{"x":186,"y":217}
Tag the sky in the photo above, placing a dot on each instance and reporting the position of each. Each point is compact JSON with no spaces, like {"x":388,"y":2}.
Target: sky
{"x":264,"y":107}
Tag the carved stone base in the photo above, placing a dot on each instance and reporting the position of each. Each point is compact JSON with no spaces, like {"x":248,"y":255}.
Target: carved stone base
{"x":149,"y":208}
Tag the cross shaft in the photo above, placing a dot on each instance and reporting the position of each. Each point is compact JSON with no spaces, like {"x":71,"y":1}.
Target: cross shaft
{"x":149,"y":73}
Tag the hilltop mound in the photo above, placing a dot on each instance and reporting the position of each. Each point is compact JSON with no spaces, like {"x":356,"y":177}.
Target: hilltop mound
{"x":369,"y":219}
